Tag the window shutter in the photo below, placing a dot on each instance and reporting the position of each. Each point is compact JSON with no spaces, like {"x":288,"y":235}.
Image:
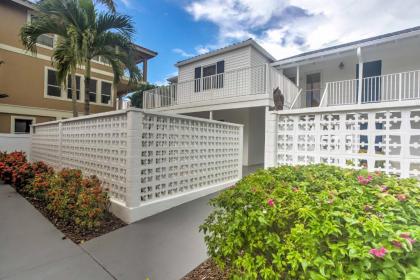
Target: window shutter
{"x":197,"y":73}
{"x":220,"y":67}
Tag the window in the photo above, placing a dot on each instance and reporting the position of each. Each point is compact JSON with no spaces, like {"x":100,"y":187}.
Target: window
{"x":209,"y":70}
{"x":53,"y":89}
{"x":22,"y":124}
{"x":69,"y":87}
{"x":106,"y":92}
{"x":209,"y":76}
{"x":44,"y":39}
{"x":92,"y":90}
{"x":100,"y":59}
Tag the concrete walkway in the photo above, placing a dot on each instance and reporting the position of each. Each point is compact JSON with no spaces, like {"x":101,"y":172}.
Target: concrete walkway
{"x":165,"y":246}
{"x":32,"y":248}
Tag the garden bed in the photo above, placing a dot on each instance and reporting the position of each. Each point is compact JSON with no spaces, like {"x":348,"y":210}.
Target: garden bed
{"x":70,"y":229}
{"x":77,"y":205}
{"x":207,"y":270}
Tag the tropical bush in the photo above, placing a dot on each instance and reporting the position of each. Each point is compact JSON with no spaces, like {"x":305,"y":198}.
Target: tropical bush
{"x":72,"y":197}
{"x":10,"y":165}
{"x":316,"y":222}
{"x":66,"y":194}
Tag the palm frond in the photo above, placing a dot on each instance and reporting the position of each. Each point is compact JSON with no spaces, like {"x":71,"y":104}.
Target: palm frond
{"x":109,"y":3}
{"x":121,"y":23}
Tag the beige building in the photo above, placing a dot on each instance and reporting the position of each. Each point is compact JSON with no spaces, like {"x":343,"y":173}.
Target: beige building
{"x":28,"y":86}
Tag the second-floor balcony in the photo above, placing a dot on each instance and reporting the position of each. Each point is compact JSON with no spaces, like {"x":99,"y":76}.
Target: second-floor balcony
{"x":394,"y":87}
{"x":252,"y":83}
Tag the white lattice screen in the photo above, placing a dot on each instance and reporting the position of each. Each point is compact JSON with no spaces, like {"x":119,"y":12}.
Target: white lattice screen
{"x":383,"y":140}
{"x":143,"y":157}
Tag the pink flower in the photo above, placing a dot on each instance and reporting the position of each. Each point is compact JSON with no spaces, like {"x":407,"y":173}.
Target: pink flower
{"x":379,"y":253}
{"x":396,"y":243}
{"x":270,"y":202}
{"x":401,"y":197}
{"x":407,"y":237}
{"x":364,"y":181}
{"x":384,"y":188}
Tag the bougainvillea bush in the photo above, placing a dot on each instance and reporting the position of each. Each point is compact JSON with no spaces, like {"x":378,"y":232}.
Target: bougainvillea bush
{"x":317,"y":222}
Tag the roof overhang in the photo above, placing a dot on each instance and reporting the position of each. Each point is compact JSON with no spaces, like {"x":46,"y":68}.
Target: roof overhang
{"x":249,"y":42}
{"x":24,"y":3}
{"x":142,"y":53}
{"x":352,"y":46}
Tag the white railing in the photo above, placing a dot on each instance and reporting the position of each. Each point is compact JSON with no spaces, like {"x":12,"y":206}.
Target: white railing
{"x":239,"y":82}
{"x":383,"y":139}
{"x":147,"y":161}
{"x":287,"y":87}
{"x":308,"y":98}
{"x":384,"y":88}
{"x":123,"y":103}
{"x":163,"y":96}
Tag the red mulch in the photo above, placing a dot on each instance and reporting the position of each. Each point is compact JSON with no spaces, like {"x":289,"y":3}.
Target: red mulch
{"x":70,"y":230}
{"x":207,"y":270}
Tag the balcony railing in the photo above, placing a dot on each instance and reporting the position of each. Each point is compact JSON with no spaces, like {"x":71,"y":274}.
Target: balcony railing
{"x":384,"y":88}
{"x":235,"y":83}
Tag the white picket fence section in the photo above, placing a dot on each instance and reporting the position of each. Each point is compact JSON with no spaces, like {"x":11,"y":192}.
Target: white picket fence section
{"x":380,"y":139}
{"x":149,"y":162}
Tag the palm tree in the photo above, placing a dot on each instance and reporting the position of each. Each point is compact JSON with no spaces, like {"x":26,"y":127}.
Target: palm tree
{"x":84,"y":33}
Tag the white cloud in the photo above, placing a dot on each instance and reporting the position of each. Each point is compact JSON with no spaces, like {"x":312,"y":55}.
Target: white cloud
{"x":126,"y":3}
{"x":288,"y":27}
{"x":182,"y":52}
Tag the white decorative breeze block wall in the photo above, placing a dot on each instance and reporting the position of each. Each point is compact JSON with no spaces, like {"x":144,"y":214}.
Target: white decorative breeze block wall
{"x":149,"y":162}
{"x":385,"y":140}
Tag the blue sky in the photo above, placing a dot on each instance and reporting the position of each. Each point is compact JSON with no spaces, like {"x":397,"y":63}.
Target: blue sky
{"x":183,"y":28}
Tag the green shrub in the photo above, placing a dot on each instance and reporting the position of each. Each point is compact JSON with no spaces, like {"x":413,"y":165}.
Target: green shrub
{"x":66,"y":194}
{"x":71,"y":197}
{"x":316,"y":222}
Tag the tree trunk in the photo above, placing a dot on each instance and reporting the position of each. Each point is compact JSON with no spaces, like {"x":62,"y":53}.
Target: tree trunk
{"x":87,"y":88}
{"x":74,"y":93}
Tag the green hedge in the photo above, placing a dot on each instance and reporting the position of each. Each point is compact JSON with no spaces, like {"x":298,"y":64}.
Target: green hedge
{"x":317,"y":222}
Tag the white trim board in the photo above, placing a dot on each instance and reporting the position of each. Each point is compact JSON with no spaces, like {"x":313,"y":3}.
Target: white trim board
{"x":13,"y":119}
{"x":34,"y":111}
{"x":46,"y":57}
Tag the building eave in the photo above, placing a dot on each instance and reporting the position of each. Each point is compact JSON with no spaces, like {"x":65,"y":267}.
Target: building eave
{"x":24,"y":3}
{"x":249,"y":42}
{"x":339,"y":49}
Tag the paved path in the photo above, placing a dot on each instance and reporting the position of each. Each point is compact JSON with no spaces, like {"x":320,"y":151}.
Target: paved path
{"x":32,"y":248}
{"x":165,"y":246}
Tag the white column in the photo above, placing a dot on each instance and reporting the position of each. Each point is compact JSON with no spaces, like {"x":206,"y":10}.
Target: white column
{"x":270,"y":145}
{"x":360,"y":77}
{"x":297,"y":75}
{"x":241,"y":151}
{"x":60,"y":145}
{"x":134,"y":120}
{"x":210,"y":115}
